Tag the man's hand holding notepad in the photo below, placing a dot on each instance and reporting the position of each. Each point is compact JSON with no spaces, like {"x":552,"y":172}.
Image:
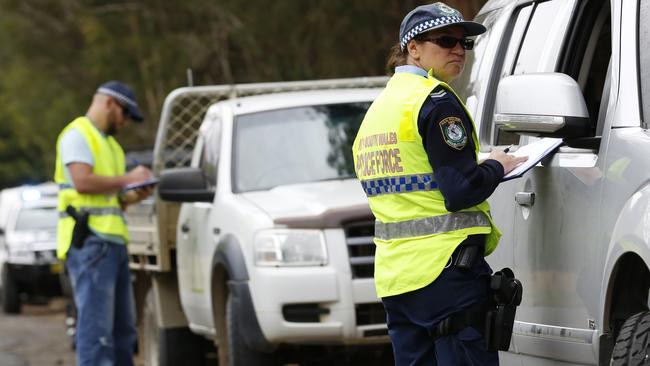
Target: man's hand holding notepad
{"x":138,"y":185}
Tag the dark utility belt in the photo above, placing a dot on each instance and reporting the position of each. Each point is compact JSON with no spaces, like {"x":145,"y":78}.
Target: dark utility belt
{"x":494,"y":318}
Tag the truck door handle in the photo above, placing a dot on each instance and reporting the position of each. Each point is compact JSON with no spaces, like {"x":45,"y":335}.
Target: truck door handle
{"x":525,"y":198}
{"x":185,"y":228}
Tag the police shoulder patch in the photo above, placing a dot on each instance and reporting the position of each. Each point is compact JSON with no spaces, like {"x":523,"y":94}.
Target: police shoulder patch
{"x":453,"y":132}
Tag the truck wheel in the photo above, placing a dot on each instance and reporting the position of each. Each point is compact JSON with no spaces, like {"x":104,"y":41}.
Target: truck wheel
{"x":169,"y":346}
{"x":633,"y":342}
{"x":239,"y":354}
{"x":10,"y":294}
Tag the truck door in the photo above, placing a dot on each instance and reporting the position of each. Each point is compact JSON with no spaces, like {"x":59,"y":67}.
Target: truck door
{"x":195,"y":245}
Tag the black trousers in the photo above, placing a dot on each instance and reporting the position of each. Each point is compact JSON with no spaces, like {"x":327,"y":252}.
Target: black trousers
{"x":412,"y":316}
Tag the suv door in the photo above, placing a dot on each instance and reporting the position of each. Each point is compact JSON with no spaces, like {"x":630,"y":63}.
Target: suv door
{"x":550,"y":214}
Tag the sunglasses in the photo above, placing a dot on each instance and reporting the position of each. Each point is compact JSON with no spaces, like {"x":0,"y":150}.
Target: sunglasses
{"x":450,"y":42}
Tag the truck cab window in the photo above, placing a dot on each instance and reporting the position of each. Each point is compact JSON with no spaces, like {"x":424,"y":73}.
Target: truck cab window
{"x":295,"y":145}
{"x":210,"y":139}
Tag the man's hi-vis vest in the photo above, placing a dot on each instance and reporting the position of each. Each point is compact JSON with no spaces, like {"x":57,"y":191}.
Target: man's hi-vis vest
{"x":415,"y":235}
{"x":105,"y":214}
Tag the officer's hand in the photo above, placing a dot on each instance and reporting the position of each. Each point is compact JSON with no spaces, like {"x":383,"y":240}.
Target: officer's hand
{"x":135,"y":195}
{"x":509,"y":162}
{"x":138,"y":174}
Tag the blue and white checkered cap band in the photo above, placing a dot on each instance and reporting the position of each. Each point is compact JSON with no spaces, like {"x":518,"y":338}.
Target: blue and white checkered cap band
{"x":119,"y":96}
{"x":425,"y":26}
{"x":400,"y":184}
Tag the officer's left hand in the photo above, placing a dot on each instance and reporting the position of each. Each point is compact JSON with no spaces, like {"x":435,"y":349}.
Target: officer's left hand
{"x":509,"y":162}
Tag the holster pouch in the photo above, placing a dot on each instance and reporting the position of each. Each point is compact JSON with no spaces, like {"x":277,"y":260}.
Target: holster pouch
{"x":81,"y":230}
{"x":506,"y":291}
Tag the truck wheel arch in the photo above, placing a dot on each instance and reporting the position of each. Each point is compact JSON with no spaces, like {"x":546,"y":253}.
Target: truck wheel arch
{"x":230,"y":278}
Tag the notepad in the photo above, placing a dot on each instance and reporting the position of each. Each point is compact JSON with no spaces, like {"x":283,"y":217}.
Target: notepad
{"x":535,"y":152}
{"x":143,"y":184}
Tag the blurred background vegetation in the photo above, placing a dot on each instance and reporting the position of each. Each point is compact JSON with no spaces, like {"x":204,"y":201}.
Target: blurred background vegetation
{"x":54,"y":54}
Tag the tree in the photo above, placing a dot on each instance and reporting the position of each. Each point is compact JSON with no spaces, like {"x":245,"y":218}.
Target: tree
{"x":55,"y":53}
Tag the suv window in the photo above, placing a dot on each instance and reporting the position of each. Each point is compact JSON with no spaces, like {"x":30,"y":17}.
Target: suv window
{"x":519,"y":28}
{"x":540,"y":49}
{"x":568,"y":37}
{"x":33,"y":219}
{"x":644,"y":58}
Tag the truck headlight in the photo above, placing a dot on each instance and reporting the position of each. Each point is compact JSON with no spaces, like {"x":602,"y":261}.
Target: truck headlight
{"x":286,"y":247}
{"x":21,"y":256}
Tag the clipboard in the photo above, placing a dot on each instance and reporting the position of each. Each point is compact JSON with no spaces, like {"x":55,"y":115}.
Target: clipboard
{"x":147,"y":183}
{"x":536,"y":151}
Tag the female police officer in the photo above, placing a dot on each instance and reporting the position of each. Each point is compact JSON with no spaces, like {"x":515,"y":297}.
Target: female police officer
{"x":416,"y":156}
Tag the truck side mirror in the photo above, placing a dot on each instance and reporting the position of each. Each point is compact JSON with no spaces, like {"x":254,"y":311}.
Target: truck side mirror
{"x":184,"y":185}
{"x":542,"y":104}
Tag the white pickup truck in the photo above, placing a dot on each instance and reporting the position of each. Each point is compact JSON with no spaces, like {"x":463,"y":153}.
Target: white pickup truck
{"x":271,"y":248}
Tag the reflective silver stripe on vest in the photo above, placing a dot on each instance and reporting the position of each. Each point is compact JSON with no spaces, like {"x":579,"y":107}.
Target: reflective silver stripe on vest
{"x":430,"y":225}
{"x":96,"y":211}
{"x":399,"y":184}
{"x":65,"y":186}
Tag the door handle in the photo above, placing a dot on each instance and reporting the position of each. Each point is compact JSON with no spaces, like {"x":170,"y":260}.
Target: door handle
{"x":185,"y":228}
{"x":525,"y":198}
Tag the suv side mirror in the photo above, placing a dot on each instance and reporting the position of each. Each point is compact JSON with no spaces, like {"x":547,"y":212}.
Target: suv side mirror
{"x":543,"y":104}
{"x":184,"y":185}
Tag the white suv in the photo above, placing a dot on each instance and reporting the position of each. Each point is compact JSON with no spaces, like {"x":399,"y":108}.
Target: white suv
{"x":28,"y":263}
{"x":576,"y":227}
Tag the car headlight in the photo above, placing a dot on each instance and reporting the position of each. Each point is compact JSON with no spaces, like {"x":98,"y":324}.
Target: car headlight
{"x":287,"y":247}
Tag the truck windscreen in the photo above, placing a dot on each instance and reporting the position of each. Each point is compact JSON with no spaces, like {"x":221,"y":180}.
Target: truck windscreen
{"x":295,"y":145}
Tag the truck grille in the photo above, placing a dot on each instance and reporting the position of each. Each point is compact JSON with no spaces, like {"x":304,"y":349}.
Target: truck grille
{"x":361,"y":248}
{"x":370,"y":314}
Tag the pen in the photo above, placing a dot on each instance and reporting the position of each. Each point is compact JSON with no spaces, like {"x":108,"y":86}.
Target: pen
{"x":507,"y":149}
{"x":135,"y":161}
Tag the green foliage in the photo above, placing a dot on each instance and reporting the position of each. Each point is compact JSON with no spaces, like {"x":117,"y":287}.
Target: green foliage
{"x":54,"y":54}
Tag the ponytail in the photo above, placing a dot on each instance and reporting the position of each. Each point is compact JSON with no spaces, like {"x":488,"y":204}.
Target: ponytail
{"x":397,"y":57}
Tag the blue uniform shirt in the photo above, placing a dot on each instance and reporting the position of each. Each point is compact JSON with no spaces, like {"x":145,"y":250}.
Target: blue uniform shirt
{"x":462,"y":181}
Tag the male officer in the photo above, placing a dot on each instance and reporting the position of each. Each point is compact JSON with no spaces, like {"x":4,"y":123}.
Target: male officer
{"x":433,"y":223}
{"x":90,"y":171}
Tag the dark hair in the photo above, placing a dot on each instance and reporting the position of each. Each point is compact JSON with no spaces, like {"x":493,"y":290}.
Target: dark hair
{"x":397,"y":57}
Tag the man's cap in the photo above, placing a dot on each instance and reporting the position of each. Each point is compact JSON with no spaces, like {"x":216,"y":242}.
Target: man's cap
{"x":434,"y":16}
{"x":124,"y":96}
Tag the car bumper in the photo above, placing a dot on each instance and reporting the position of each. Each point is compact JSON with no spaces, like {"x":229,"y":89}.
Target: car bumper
{"x":41,"y":279}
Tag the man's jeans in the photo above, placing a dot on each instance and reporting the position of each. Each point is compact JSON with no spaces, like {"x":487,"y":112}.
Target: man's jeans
{"x":106,"y":332}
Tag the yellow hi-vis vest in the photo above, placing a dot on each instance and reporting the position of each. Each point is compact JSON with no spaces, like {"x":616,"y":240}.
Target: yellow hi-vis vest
{"x":415,"y":235}
{"x":105,"y":214}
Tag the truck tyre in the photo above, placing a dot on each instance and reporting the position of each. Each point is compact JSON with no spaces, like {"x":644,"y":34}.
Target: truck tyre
{"x":169,"y":346}
{"x":10,"y":293}
{"x":632,"y":346}
{"x":239,"y":354}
